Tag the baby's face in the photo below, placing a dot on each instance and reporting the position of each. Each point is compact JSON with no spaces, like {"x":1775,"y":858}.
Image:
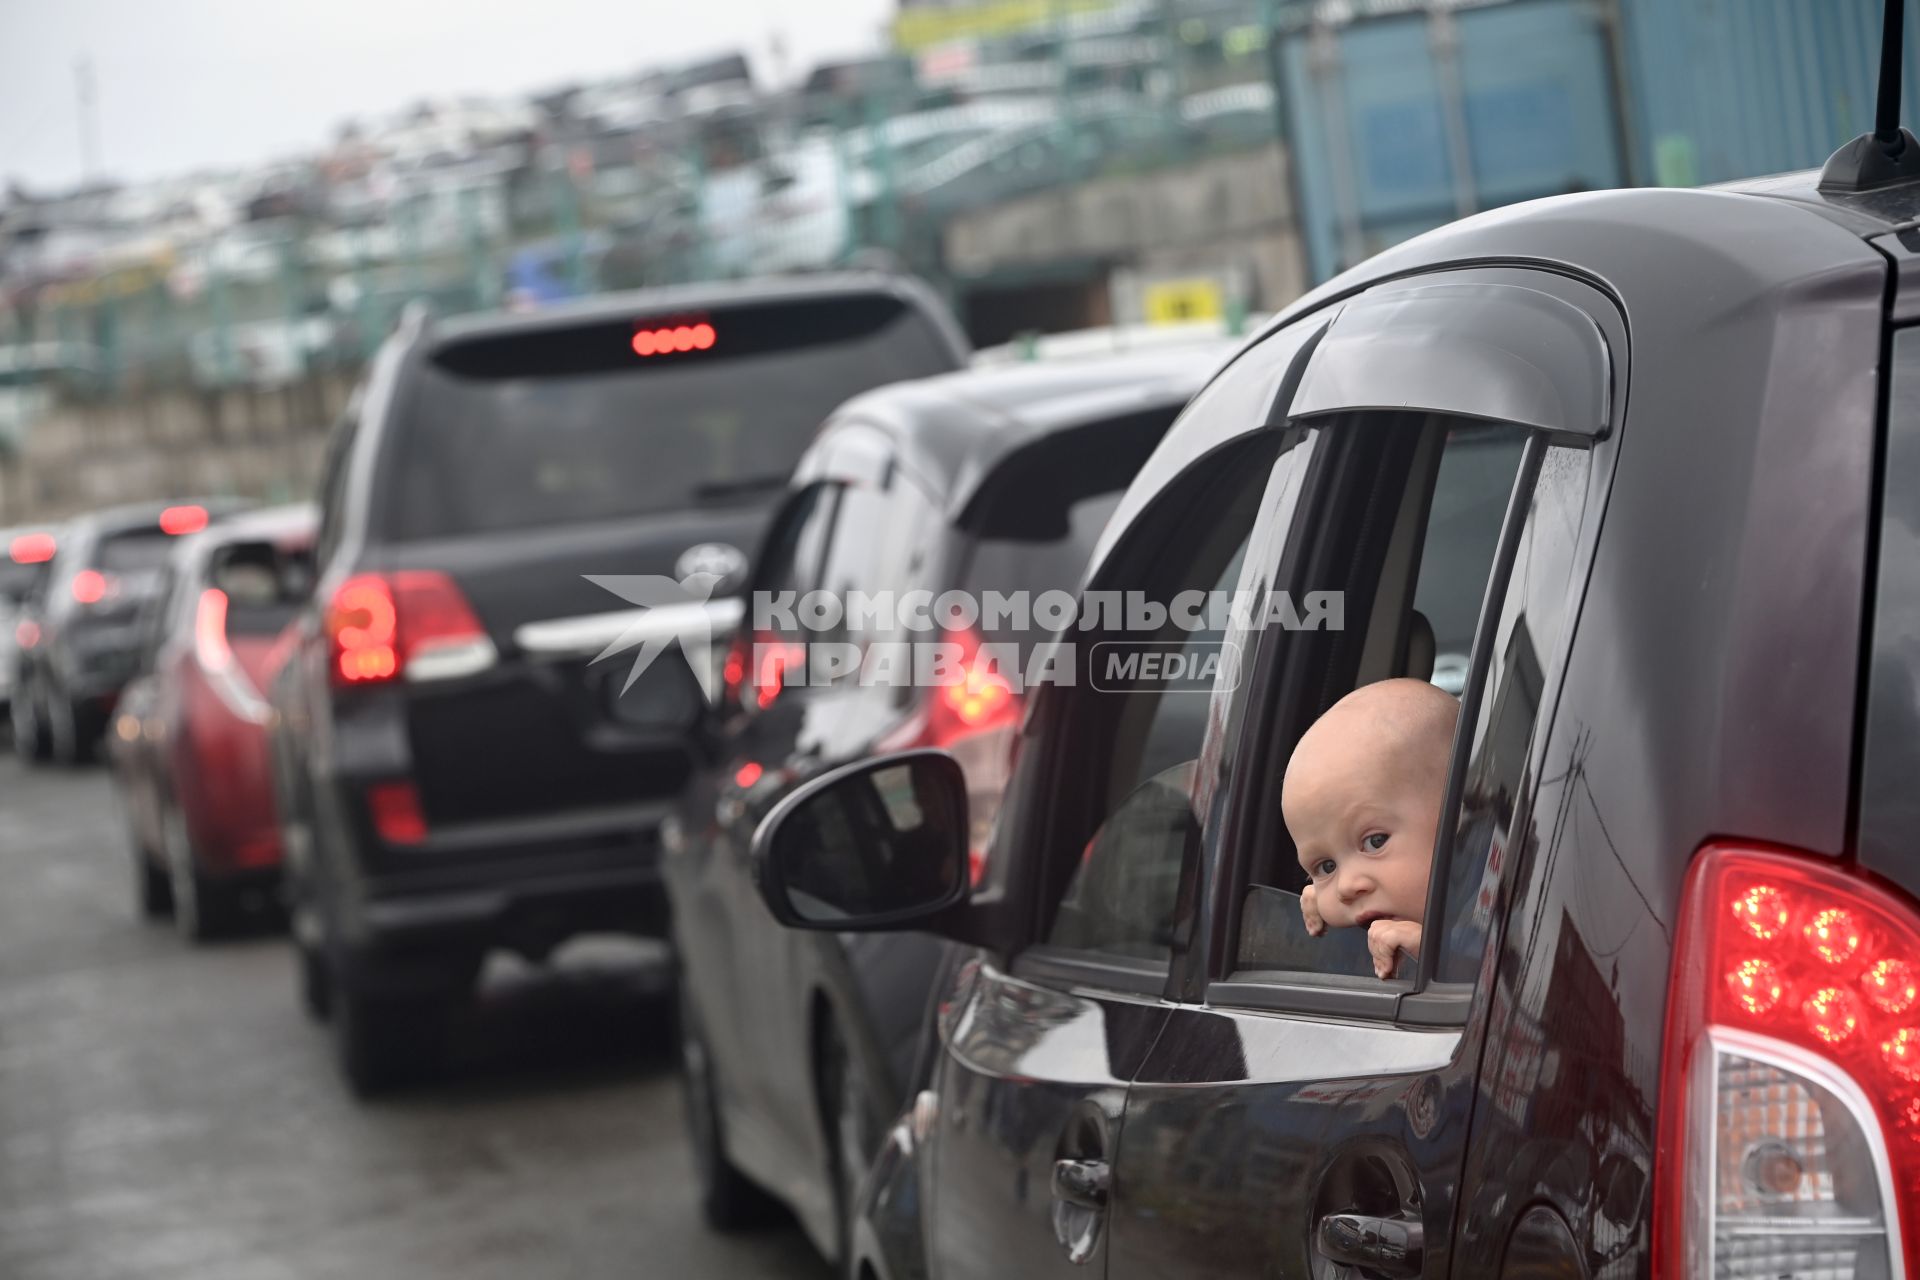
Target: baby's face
{"x":1363,"y":806}
{"x":1367,"y":845}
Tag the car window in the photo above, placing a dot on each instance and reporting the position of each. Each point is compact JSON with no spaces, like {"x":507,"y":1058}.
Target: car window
{"x":1418,"y":564}
{"x":1133,"y":730}
{"x":789,"y":567}
{"x":600,"y":422}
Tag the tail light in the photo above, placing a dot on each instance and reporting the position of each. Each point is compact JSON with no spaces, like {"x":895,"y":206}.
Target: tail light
{"x":27,"y":635}
{"x":414,"y":623}
{"x":90,"y":586}
{"x":1790,"y":1112}
{"x":215,"y":656}
{"x":183,"y":520}
{"x":975,"y":718}
{"x":31,"y":548}
{"x":395,"y":808}
{"x":768,"y":659}
{"x":210,"y":632}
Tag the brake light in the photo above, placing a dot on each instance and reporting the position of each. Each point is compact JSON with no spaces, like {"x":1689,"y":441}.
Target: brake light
{"x":772,"y":660}
{"x":27,"y":635}
{"x":31,"y":548}
{"x":671,"y":338}
{"x":210,"y":631}
{"x":414,"y":622}
{"x":1790,"y":1098}
{"x":182,"y":520}
{"x":395,"y":808}
{"x":90,"y":586}
{"x":975,"y":718}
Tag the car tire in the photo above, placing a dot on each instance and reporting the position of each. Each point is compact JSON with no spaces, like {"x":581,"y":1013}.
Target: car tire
{"x":203,"y":909}
{"x":316,"y":983}
{"x":845,"y":1117}
{"x":153,"y":893}
{"x":384,"y":1042}
{"x":71,"y":745}
{"x":31,"y":740}
{"x":729,"y":1200}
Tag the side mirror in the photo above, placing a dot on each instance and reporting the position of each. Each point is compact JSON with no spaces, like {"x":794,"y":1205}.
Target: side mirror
{"x":874,"y":845}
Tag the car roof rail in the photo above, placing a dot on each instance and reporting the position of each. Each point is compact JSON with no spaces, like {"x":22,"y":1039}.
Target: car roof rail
{"x":1890,"y":154}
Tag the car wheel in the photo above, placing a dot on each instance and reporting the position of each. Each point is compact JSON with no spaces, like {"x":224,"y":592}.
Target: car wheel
{"x":846,"y":1104}
{"x":729,"y":1200}
{"x":384,"y":1042}
{"x":202,"y":909}
{"x":316,"y":983}
{"x":31,"y":740}
{"x":70,"y":744}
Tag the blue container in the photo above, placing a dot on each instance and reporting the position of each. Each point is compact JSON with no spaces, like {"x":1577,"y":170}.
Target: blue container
{"x":1727,"y":89}
{"x":1409,"y":121}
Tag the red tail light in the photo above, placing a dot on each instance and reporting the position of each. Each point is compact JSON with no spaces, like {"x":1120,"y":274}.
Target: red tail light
{"x":413,"y":622}
{"x":1790,"y":1097}
{"x":395,"y":807}
{"x":31,"y":548}
{"x":977,"y":719}
{"x":772,"y":659}
{"x":181,"y":520}
{"x":90,"y":586}
{"x":210,"y":631}
{"x":27,"y":635}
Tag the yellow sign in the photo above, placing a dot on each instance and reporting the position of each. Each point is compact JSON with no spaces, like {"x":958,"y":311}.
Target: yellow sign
{"x":919,"y":27}
{"x":1178,"y":301}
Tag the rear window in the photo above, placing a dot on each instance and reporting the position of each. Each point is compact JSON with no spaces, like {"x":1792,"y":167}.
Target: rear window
{"x":16,"y":580}
{"x":576,"y":424}
{"x":1038,"y":516}
{"x":265,"y":584}
{"x":138,"y":552}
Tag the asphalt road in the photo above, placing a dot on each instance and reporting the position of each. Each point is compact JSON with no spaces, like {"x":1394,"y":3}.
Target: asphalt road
{"x":168,"y":1112}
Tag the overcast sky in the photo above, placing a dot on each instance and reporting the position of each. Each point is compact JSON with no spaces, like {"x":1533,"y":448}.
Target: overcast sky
{"x":182,"y":84}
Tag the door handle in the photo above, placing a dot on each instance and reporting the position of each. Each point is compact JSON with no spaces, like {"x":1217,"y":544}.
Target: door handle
{"x":1082,"y":1182}
{"x":1390,"y":1246}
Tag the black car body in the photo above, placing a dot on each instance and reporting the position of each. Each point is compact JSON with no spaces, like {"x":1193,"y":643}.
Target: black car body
{"x":800,"y":1046}
{"x":85,"y":610}
{"x":1667,"y":447}
{"x":456,"y":771}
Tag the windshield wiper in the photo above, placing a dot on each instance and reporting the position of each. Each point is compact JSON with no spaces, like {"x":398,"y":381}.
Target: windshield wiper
{"x":745,"y":484}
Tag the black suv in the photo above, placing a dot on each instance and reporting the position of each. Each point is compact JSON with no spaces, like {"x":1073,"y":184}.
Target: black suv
{"x":509,"y":501}
{"x":797,"y":1048}
{"x":84,"y":612}
{"x":1663,"y":449}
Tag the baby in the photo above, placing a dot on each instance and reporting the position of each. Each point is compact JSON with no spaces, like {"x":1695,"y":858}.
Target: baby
{"x":1362,"y":800}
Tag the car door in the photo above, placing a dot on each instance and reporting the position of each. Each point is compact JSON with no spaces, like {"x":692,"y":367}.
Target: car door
{"x":1299,"y":1116}
{"x":1098,"y":834}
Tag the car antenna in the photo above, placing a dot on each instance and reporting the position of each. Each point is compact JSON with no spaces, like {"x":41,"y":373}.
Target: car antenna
{"x":1890,"y":154}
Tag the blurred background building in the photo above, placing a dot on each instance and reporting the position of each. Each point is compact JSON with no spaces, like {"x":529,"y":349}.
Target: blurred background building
{"x":1047,"y":164}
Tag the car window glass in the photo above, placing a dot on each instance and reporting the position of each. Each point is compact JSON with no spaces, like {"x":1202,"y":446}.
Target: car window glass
{"x":1138,"y":729}
{"x":1533,"y":616}
{"x":790,"y":566}
{"x":1427,"y":509}
{"x":1465,"y":510}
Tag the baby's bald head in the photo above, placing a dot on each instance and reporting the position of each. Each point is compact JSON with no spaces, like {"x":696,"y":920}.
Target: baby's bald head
{"x":1365,"y":785}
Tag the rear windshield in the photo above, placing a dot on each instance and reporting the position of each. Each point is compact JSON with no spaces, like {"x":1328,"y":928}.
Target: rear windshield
{"x":575,"y":425}
{"x":134,"y":560}
{"x":16,"y":580}
{"x":1038,"y":517}
{"x":265,"y":584}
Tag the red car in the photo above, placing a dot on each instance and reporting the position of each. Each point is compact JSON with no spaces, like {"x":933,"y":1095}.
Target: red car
{"x":189,"y":741}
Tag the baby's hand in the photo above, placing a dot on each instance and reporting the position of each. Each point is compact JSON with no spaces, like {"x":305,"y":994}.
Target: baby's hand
{"x":1310,"y":912}
{"x":1386,"y":939}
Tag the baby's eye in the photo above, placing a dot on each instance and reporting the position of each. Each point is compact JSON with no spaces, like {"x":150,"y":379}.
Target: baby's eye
{"x":1375,"y":842}
{"x":1323,"y":868}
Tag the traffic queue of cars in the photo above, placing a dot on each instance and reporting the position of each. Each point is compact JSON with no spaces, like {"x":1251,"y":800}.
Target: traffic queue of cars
{"x":985,"y":979}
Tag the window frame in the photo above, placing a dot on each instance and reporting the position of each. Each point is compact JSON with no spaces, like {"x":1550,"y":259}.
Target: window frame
{"x":1269,"y":697}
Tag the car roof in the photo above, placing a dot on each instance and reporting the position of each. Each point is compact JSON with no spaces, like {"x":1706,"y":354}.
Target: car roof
{"x":135,"y":515}
{"x":295,"y":520}
{"x":617,"y":306}
{"x":953,"y":429}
